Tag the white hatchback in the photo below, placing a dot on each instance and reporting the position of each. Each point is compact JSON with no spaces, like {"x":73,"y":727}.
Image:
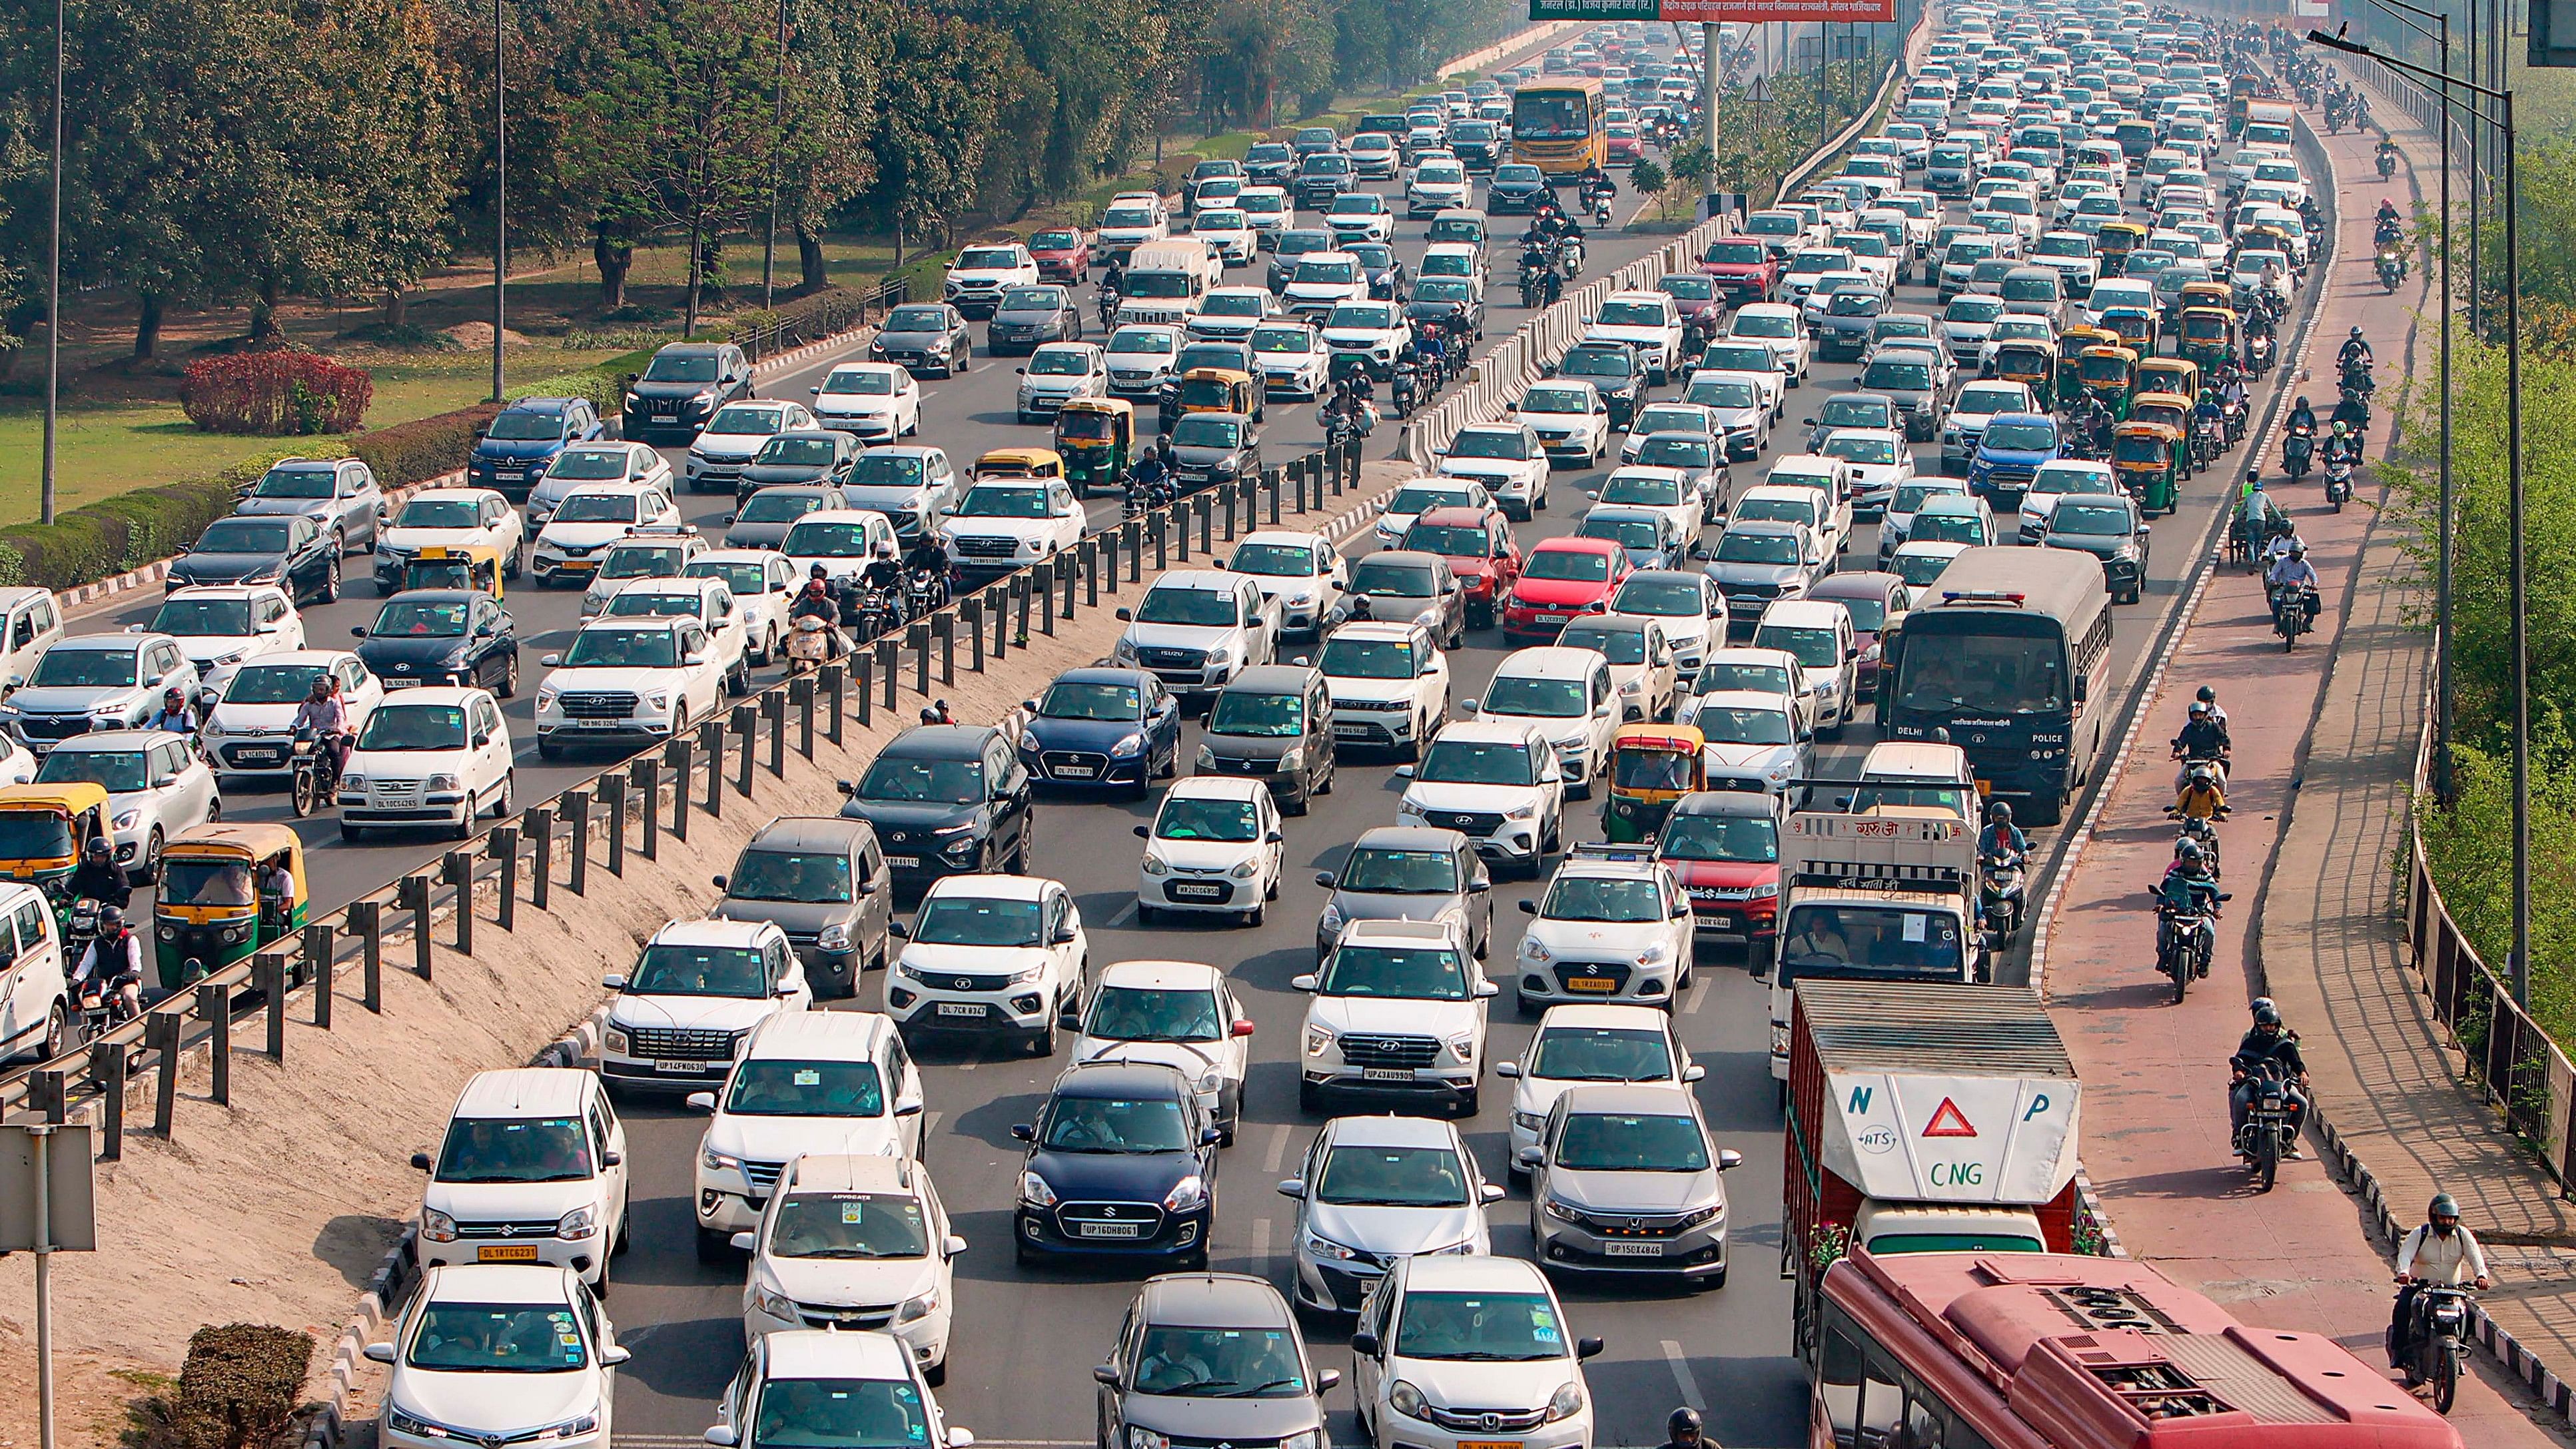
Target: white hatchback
{"x":438,"y":755}
{"x":495,"y":1352}
{"x":852,"y":1241}
{"x":1215,"y":847}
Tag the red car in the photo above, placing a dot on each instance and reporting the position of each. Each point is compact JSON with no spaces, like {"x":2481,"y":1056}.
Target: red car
{"x":1875,"y":601}
{"x":1481,"y":551}
{"x":1624,"y":146}
{"x":1724,"y":848}
{"x":1561,"y":578}
{"x":1063,"y":255}
{"x":1741,"y":266}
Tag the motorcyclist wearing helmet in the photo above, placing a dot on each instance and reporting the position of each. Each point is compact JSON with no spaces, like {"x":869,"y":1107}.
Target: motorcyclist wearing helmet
{"x":2267,"y":1042}
{"x":2355,"y":352}
{"x":174,"y":714}
{"x":2343,"y":444}
{"x":2217,"y":711}
{"x":2001,"y":837}
{"x":929,"y":556}
{"x":99,"y":878}
{"x":114,"y":961}
{"x":1682,"y":1430}
{"x":324,"y":714}
{"x":2441,"y":1251}
{"x":2187,"y":889}
{"x":2203,"y":737}
{"x":2292,"y":570}
{"x":2302,"y":417}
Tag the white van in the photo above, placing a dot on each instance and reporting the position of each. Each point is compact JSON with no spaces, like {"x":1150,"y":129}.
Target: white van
{"x":1166,"y":281}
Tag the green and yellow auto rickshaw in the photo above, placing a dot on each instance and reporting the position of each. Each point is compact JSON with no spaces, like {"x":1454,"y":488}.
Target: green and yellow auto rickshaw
{"x":226,"y":891}
{"x":2177,"y":375}
{"x":2172,"y":410}
{"x":2111,"y":374}
{"x":1651,"y":766}
{"x":44,"y":829}
{"x":2207,"y":335}
{"x":2031,"y":362}
{"x":2134,"y":326}
{"x":2147,"y":457}
{"x":2071,"y":342}
{"x":2113,"y":243}
{"x":1096,"y":437}
{"x":455,"y":566}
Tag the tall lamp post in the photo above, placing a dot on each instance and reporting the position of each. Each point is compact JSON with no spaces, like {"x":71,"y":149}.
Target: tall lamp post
{"x":53,"y":327}
{"x":777,"y":129}
{"x":500,"y":200}
{"x":2518,"y":972}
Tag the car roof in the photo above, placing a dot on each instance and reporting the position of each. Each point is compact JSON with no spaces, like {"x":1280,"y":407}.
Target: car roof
{"x":854,"y":1172}
{"x":101,"y":741}
{"x":1407,"y":837}
{"x":1471,"y":1272}
{"x":712,"y":931}
{"x":1163,"y":975}
{"x":815,"y":1353}
{"x":1638,"y":1098}
{"x":1121,"y":1079}
{"x":1274,"y":679}
{"x":524,"y":1092}
{"x":1213,"y":580}
{"x":1391,"y":1130}
{"x":1487,"y":731}
{"x":993,"y":887}
{"x":1856,"y":584}
{"x":810,"y":832}
{"x":1551,"y":661}
{"x":941,"y":742}
{"x":1805,"y":613}
{"x":498,"y":1283}
{"x":1747,"y":803}
{"x":1215,"y":787}
{"x":845,"y":1036}
{"x":1212,"y":1300}
{"x":433,"y":694}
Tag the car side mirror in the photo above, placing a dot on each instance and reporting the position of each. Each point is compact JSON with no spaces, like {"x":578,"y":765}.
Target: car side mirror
{"x":1327,"y":1379}
{"x":1366,"y":1345}
{"x":1729,"y":1159}
{"x":1144,"y":832}
{"x":722,"y":1437}
{"x":899,"y":930}
{"x":701,"y":1101}
{"x":1024,"y":1132}
{"x":614,"y":981}
{"x":1531,"y":1157}
{"x":420,"y":1161}
{"x":1486,"y":990}
{"x":1587,"y":1348}
{"x":612,"y":1158}
{"x":1126,"y":616}
{"x":550,"y":660}
{"x":1491,"y":1192}
{"x":379,"y":1353}
{"x":1306,"y":982}
{"x":356,"y":631}
{"x":1104,"y":1375}
{"x":908,"y":1105}
{"x":1242,"y":1027}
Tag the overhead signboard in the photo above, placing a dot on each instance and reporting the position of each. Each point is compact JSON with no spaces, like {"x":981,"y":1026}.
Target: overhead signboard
{"x":1753,"y":11}
{"x":2553,"y":33}
{"x":1595,"y":10}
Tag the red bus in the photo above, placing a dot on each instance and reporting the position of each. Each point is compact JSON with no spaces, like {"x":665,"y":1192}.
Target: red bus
{"x":2053,"y":1351}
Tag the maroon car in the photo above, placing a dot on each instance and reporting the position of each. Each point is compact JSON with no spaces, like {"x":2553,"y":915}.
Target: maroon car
{"x":1742,"y":267}
{"x":1481,"y":551}
{"x":1063,"y":255}
{"x":1873,"y":600}
{"x":1692,"y":294}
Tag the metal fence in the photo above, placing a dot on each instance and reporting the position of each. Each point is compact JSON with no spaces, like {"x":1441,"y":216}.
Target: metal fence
{"x":824,"y":314}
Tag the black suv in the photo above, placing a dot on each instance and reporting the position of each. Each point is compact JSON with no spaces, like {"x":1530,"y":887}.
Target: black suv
{"x":946,"y":800}
{"x":1614,"y":370}
{"x":1268,"y":164}
{"x":682,"y":387}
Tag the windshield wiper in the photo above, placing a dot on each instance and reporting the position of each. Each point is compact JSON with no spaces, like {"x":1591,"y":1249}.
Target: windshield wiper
{"x":1483,"y":1355}
{"x":1193,"y":1386}
{"x":1388,"y":1202}
{"x":1248,"y":1392}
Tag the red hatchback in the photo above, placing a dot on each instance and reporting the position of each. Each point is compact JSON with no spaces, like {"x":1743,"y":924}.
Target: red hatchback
{"x":1481,"y":551}
{"x":1724,"y":848}
{"x":1561,"y":578}
{"x":1063,"y":255}
{"x":1741,"y":266}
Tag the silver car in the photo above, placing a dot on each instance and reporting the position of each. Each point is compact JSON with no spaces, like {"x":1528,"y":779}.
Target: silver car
{"x":1624,"y":1179}
{"x":340,"y":497}
{"x":1375,"y":1189}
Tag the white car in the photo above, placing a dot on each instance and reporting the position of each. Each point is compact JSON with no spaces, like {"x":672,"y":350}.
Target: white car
{"x":1456,"y":259}
{"x":1696,"y":419}
{"x":1389,"y":684}
{"x":1377,"y":331}
{"x":2071,"y":254}
{"x":1214,"y":848}
{"x":791,"y":1385}
{"x":514,"y":1352}
{"x":1359,"y":216}
{"x":1495,"y":781}
{"x":1568,"y":694}
{"x":248,"y":734}
{"x":1799,"y":277}
{"x":1819,"y":633}
{"x":450,"y":518}
{"x":1140,"y":357}
{"x":1778,"y":327}
{"x":1435,"y":187}
{"x":579,"y":467}
{"x":876,"y":402}
{"x":1230,"y":314}
{"x":1196,"y":629}
{"x":791,"y":1080}
{"x":991,"y":955}
{"x":628,"y":682}
{"x":1009,"y":523}
{"x":434,"y":755}
{"x":157,"y":786}
{"x":1614,"y":925}
{"x":1641,"y":659}
{"x":531,"y":1169}
{"x":1323,"y":281}
{"x":1292,"y":358}
{"x":1385,"y":986}
{"x":1228,"y":233}
{"x":698,"y":990}
{"x":842,"y":540}
{"x":1649,"y":323}
{"x":2055,"y":481}
{"x":592,"y":517}
{"x":710,"y":602}
{"x":221,"y":626}
{"x":1507,"y":459}
{"x":1521,"y":1363}
{"x":1686,"y":602}
{"x":1570,"y":419}
{"x":852,"y":1239}
{"x":1753,"y":741}
{"x":1181,"y":1014}
{"x":1708,"y":387}
{"x":910,"y":485}
{"x":731,"y":438}
{"x":1056,"y":373}
{"x":763,"y":585}
{"x":1132,"y":219}
{"x":1880,"y":462}
{"x":1301,"y":572}
{"x":1978,"y":404}
{"x":1584,"y":1042}
{"x":660,"y":553}
{"x":1269,"y":210}
{"x":1418,"y":496}
{"x":1666,"y":491}
{"x":980,"y":275}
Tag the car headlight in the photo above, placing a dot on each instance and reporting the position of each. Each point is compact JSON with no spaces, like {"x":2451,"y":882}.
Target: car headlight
{"x":833,"y":938}
{"x":1567,"y":1402}
{"x":1522,"y":812}
{"x":1154,"y":865}
{"x":1463,"y":1046}
{"x":719,"y":1161}
{"x":1139,"y":1437}
{"x":1331,"y":920}
{"x":1187,"y":1195}
{"x":1220,"y":656}
{"x":1304,"y":1439}
{"x":353,"y":782}
{"x":1654,"y":955}
{"x":442,"y":782}
{"x":1407,"y":1400}
{"x":1529,"y":1121}
{"x":402,"y":1423}
{"x":580,"y":1223}
{"x":1024,"y":977}
{"x":436,"y":1226}
{"x":128,"y":819}
{"x":774,"y":1303}
{"x":1207,"y":758}
{"x":658,"y":699}
{"x":1324,"y":1247}
{"x":1318,"y":1040}
{"x":1559,"y":1209}
{"x":916,"y":1309}
{"x":1034,"y":1191}
{"x":545,"y":699}
{"x":1124,"y":649}
{"x":1128,"y":745}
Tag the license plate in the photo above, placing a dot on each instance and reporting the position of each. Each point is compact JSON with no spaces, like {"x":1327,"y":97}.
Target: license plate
{"x":506,"y":1253}
{"x":1349,"y":730}
{"x":258,"y":757}
{"x":510,"y":475}
{"x":1386,"y":1074}
{"x":1110,"y":1230}
{"x":402,"y":684}
{"x":578,"y":565}
{"x":1590,"y":983}
{"x":679,"y":1069}
{"x":904,"y":862}
{"x":597,"y":724}
{"x":1489,"y":1444}
{"x":1196,"y":890}
{"x":1632,"y":1250}
{"x":1075,"y":772}
{"x":962,"y":1008}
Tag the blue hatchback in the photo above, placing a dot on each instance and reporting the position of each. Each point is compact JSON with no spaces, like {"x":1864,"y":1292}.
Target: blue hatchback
{"x":523,"y":439}
{"x":1103,"y":728}
{"x":2009,"y":455}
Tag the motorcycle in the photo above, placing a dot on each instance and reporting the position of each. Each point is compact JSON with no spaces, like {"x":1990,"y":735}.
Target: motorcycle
{"x":79,"y":927}
{"x":810,"y":643}
{"x":877,"y":615}
{"x":2338,"y":482}
{"x":2200,"y":830}
{"x":1108,"y":305}
{"x":2296,"y":449}
{"x":2441,"y":1342}
{"x":924,"y":590}
{"x":1533,"y":286}
{"x":1144,"y":498}
{"x":2203,"y":777}
{"x":2185,"y":941}
{"x":2000,"y":898}
{"x":104,"y":1007}
{"x":1403,"y":389}
{"x":2392,"y":270}
{"x":2290,"y":615}
{"x":2258,"y":350}
{"x":2387,"y":164}
{"x":316,"y":780}
{"x":2360,"y":402}
{"x":2267,"y":1136}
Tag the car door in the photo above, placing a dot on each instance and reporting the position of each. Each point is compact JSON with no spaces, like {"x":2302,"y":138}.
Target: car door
{"x":193,"y":791}
{"x":491,"y":738}
{"x":360,"y":690}
{"x":32,"y":990}
{"x":869,"y":876}
{"x":1010,"y":786}
{"x":1260,"y":641}
{"x":901,"y":1071}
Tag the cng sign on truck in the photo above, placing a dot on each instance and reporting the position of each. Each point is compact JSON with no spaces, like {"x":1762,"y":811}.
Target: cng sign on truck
{"x":1901,"y":1137}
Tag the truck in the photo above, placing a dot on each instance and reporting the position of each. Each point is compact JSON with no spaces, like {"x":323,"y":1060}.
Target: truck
{"x":1887,"y":893}
{"x":1923,"y":1118}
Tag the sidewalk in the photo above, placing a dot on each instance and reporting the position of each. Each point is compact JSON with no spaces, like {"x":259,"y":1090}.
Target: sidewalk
{"x":2325,"y":740}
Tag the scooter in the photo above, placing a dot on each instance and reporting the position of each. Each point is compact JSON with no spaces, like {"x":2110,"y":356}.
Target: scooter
{"x":2001,"y":895}
{"x":810,"y":644}
{"x":2338,"y":482}
{"x":2258,"y":350}
{"x":2441,"y":1342}
{"x":1403,"y":389}
{"x":1601,"y":210}
{"x":2267,"y":1136}
{"x":2387,"y":165}
{"x":2296,"y":449}
{"x":2392,"y":270}
{"x":2184,"y":941}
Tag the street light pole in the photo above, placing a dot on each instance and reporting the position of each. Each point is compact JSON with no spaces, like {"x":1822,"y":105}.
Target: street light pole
{"x":53,"y":297}
{"x":777,"y":130}
{"x":500,"y":199}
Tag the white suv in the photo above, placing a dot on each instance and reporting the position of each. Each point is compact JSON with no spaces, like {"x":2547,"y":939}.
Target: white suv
{"x":589,"y":519}
{"x":1399,"y":1012}
{"x":1615,"y":925}
{"x":855,"y":1242}
{"x":436,"y":755}
{"x":1389,"y":684}
{"x":1569,"y":695}
{"x":711,"y":604}
{"x":218,"y":626}
{"x":763,"y":584}
{"x":1140,"y":358}
{"x":632,"y":682}
{"x":1649,"y":323}
{"x":1009,"y":523}
{"x":1196,"y":629}
{"x":733,"y":436}
{"x":1521,"y":1365}
{"x":803,"y":1081}
{"x":1301,"y":571}
{"x":991,"y":955}
{"x":1507,"y":458}
{"x":697,"y":988}
{"x":247,"y":733}
{"x":980,"y":275}
{"x":531,"y":1169}
{"x":1495,"y":782}
{"x":647,"y":553}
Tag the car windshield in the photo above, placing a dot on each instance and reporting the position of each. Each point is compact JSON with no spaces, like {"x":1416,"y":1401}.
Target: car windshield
{"x":619,"y":648}
{"x":1604,"y":898}
{"x":243,"y":535}
{"x":828,"y":538}
{"x":118,"y":772}
{"x":1631,"y":314}
{"x":514,"y":1149}
{"x":860,"y":382}
{"x":1631,"y":1142}
{"x":1115,"y":1125}
{"x":1259,"y":714}
{"x":1642,"y":489}
{"x":1896,"y":377}
{"x":522,"y":1338}
{"x":1629,"y":533}
{"x":779,"y":505}
{"x":886,"y":470}
{"x":1137,"y":1013}
{"x":967,"y":920}
{"x":1134,"y":340}
{"x":1477,"y":762}
{"x":597,"y":508}
{"x":1060,"y":362}
{"x":2031,"y":436}
{"x":1612,"y":642}
{"x":911,"y":780}
{"x":747,"y":421}
{"x":1671,"y":598}
{"x":1723,"y":392}
{"x":1813,"y":646}
{"x":272,"y":683}
{"x":1449,"y":540}
{"x":989,"y":500}
{"x":682,"y":367}
{"x":2071,"y":480}
{"x":1891,"y":939}
{"x":642,"y":561}
{"x":677,"y":969}
{"x":1334,"y":272}
{"x":845,"y":1225}
{"x":1481,"y":1327}
{"x":2093,"y":518}
{"x":186,"y":616}
{"x":1032,"y":299}
{"x":1747,"y":546}
{"x":1210,"y":608}
{"x":441,"y":513}
{"x":1988,"y":399}
{"x":1583,"y":566}
{"x":1855,"y":304}
{"x":1687,"y":287}
{"x":317,"y":482}
{"x":839,"y":1414}
{"x":404,"y":727}
{"x":1092,"y":700}
{"x":1410,"y":973}
{"x":790,"y":875}
{"x":742,"y":578}
{"x":1445,"y":289}
{"x":1598,"y":362}
{"x":1185,"y":817}
{"x":575,"y":465}
{"x":1601,"y":1054}
{"x":1294,"y":340}
{"x":1234,"y":304}
{"x":1206,"y":1362}
{"x":1557,"y":400}
{"x":1733,"y":725}
{"x":1346,"y":657}
{"x":1853,"y":448}
{"x":1207,"y":430}
{"x":1868,"y":611}
{"x":1535,"y":697}
{"x":919,"y":319}
{"x":774,"y":1087}
{"x":1384,"y":870}
{"x":1742,"y":839}
{"x":1421,"y":1177}
{"x":1394,"y":579}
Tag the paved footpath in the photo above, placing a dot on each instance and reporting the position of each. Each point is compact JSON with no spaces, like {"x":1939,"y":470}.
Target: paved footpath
{"x":2333,"y":727}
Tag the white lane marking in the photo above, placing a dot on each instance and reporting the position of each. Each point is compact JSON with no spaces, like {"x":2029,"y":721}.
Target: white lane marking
{"x":1701,"y":991}
{"x":1276,"y":1155}
{"x":930,"y":1124}
{"x":1682,"y":1375}
{"x":1261,"y":1242}
{"x":1126,"y":912}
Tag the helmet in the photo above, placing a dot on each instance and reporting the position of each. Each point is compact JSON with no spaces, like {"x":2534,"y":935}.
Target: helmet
{"x":2266,"y":1014}
{"x":2300,"y":404}
{"x":2199,"y":707}
{"x":111,"y":918}
{"x":2208,"y":695}
{"x":2341,"y":428}
{"x":2443,"y":1205}
{"x":172,"y":696}
{"x":2254,"y":476}
{"x":2298,"y":549}
{"x":324,"y":682}
{"x":96,"y":850}
{"x":2189,"y":855}
{"x":1685,"y":1420}
{"x":2356,"y":334}
{"x":1999,"y":813}
{"x":816,"y":572}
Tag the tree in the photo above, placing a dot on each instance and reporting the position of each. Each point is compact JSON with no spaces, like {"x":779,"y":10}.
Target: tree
{"x":928,"y":150}
{"x":1650,"y":181}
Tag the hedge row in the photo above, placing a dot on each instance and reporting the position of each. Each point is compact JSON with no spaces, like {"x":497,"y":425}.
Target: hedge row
{"x":275,"y":394}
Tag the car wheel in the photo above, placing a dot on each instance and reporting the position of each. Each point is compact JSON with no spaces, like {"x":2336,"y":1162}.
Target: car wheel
{"x":58,"y":1028}
{"x":509,"y":796}
{"x":151,"y":862}
{"x":352,"y":834}
{"x":330,"y":591}
{"x":509,"y":675}
{"x":1042,"y":1042}
{"x":1256,"y":915}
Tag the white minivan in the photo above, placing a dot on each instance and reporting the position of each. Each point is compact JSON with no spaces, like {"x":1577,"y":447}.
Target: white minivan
{"x":531,"y":1169}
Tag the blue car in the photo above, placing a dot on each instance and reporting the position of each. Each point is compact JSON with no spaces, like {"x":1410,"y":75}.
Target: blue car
{"x":1123,"y":1163}
{"x":2009,"y":453}
{"x":514,"y":452}
{"x":1103,"y":729}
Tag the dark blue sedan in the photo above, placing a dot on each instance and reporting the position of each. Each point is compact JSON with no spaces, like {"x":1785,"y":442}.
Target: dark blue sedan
{"x":1122,"y":1163}
{"x":1103,"y":729}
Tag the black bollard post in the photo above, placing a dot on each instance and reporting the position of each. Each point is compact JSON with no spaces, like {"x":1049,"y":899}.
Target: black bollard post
{"x":214,"y":1007}
{"x":162,"y":1033}
{"x":746,"y":725}
{"x":711,"y":745}
{"x":612,"y":803}
{"x":943,"y":625}
{"x":889,"y":662}
{"x":576,"y":809}
{"x":800,"y":692}
{"x":676,"y":754}
{"x":107,"y":1068}
{"x":773,"y":708}
{"x":504,"y":846}
{"x":1091,"y":572}
{"x":321,"y":943}
{"x":367,"y":918}
{"x":916,"y":637}
{"x":970,"y":612}
{"x":1134,"y":534}
{"x":834,"y":681}
{"x":541,"y":865}
{"x":268,"y":968}
{"x":413,"y":895}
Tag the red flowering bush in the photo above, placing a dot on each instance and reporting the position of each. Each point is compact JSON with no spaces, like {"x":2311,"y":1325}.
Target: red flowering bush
{"x":275,"y":394}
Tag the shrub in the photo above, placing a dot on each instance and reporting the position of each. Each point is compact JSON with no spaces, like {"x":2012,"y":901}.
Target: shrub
{"x":423,"y":448}
{"x":275,"y":394}
{"x":238,"y":1389}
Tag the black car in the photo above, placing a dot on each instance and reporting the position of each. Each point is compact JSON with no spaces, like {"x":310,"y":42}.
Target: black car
{"x":1293,"y":245}
{"x":1842,"y":334}
{"x":2110,"y":529}
{"x":1268,"y":164}
{"x":682,"y":387}
{"x":1445,"y":300}
{"x":1213,"y":448}
{"x":1388,"y":281}
{"x":946,"y":800}
{"x":1322,"y":176}
{"x":288,"y":550}
{"x":1027,"y":316}
{"x":1612,"y":369}
{"x":1234,"y":356}
{"x":1479,"y":144}
{"x":1121,"y":1162}
{"x":1517,"y":188}
{"x":1314,"y":140}
{"x":1273,"y":722}
{"x":924,"y":336}
{"x":823,"y":457}
{"x":442,"y":636}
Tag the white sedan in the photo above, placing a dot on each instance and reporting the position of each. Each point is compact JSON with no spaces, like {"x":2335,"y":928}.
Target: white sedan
{"x":876,"y":402}
{"x":1879,"y":458}
{"x":1571,"y":420}
{"x":1777,"y":327}
{"x":1292,"y":358}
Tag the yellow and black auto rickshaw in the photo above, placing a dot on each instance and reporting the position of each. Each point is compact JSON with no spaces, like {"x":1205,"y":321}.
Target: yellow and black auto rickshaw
{"x":2113,"y":243}
{"x":1020,"y":463}
{"x":2135,"y":327}
{"x":2148,"y":457}
{"x":1651,"y":766}
{"x":226,"y":891}
{"x":44,"y":828}
{"x":2207,"y":335}
{"x":455,"y":566}
{"x":2032,"y":362}
{"x":2111,"y":374}
{"x":1096,"y":437}
{"x":2071,"y":342}
{"x":1212,"y":390}
{"x":2177,"y":375}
